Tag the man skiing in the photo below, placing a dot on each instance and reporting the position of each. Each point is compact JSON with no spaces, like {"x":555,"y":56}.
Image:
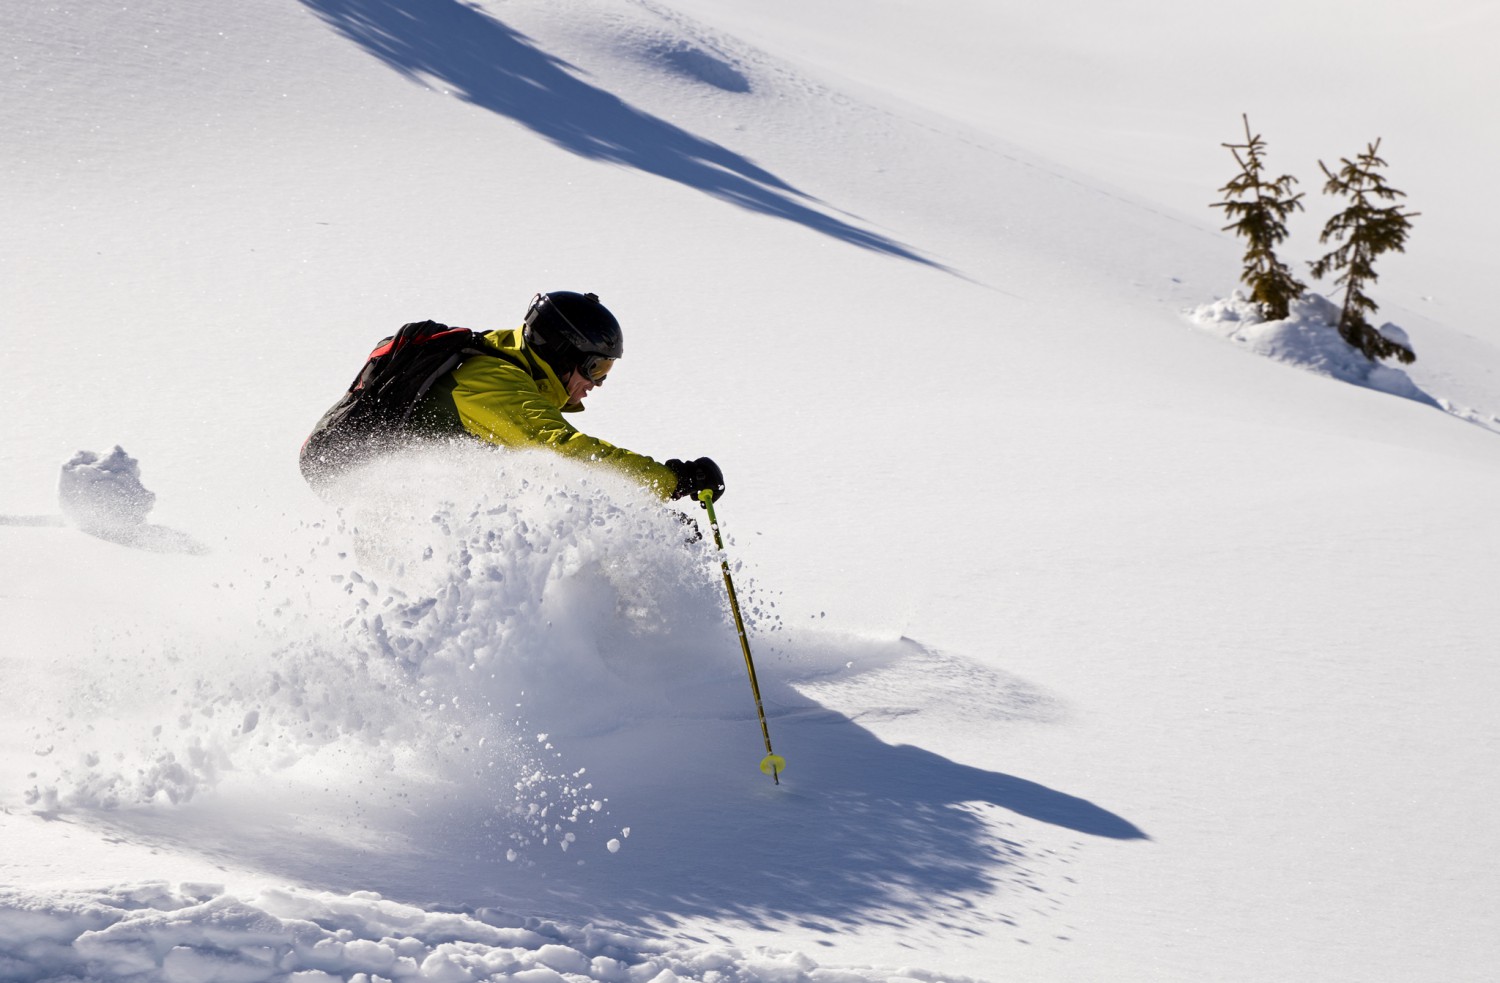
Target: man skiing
{"x":513,"y":387}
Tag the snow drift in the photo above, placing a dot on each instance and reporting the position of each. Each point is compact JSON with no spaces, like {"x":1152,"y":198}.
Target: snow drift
{"x":196,"y":933}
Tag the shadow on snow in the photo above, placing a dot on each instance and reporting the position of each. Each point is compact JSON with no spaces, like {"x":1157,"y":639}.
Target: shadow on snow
{"x":860,"y":832}
{"x":497,"y":68}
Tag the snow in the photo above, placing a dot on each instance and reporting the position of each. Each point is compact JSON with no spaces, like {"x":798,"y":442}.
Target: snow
{"x":199,"y":933}
{"x":1308,"y":337}
{"x":103,"y":496}
{"x":1099,"y":644}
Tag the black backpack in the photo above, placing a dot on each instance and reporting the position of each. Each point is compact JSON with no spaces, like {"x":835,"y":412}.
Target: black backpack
{"x":376,"y":412}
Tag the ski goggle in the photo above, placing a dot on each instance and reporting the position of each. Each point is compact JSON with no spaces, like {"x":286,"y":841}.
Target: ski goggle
{"x":596,"y":367}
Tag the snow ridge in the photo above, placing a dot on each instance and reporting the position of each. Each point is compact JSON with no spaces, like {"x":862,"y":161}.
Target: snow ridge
{"x":195,"y":933}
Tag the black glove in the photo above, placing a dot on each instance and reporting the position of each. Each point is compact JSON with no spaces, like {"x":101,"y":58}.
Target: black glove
{"x":696,"y":476}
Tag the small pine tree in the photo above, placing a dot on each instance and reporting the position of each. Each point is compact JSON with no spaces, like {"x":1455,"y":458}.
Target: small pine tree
{"x":1259,"y":209}
{"x":1364,"y":230}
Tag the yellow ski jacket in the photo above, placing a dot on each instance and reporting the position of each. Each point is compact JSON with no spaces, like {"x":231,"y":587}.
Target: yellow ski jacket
{"x":500,"y":402}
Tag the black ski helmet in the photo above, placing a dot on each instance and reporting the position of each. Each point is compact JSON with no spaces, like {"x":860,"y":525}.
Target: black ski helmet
{"x":574,"y":331}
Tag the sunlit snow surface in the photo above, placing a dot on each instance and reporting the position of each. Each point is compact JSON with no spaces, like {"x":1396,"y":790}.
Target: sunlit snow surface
{"x":1097,"y":648}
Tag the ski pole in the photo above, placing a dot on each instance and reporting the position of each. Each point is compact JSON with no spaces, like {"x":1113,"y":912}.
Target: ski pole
{"x":772,"y":764}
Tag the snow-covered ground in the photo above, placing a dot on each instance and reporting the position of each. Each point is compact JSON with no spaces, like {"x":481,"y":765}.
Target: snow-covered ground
{"x":1098,"y":646}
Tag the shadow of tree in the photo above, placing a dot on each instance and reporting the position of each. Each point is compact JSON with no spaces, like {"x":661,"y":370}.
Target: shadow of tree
{"x":493,"y":66}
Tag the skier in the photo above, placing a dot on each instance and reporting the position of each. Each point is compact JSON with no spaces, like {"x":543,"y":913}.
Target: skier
{"x":564,"y":349}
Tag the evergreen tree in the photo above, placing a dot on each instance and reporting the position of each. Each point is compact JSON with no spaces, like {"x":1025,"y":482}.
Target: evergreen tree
{"x":1364,"y":230}
{"x":1259,"y":209}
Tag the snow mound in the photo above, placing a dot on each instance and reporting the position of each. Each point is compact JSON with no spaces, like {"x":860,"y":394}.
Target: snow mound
{"x":698,"y":65}
{"x":197,"y":932}
{"x":103,"y":496}
{"x":670,"y":46}
{"x":103,"y":493}
{"x":1308,"y":339}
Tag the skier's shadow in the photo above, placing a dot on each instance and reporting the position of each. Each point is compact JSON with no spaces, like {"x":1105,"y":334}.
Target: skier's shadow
{"x":491,"y":65}
{"x":860,"y":830}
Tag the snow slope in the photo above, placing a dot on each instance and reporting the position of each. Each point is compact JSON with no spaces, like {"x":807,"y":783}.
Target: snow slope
{"x":1097,"y":647}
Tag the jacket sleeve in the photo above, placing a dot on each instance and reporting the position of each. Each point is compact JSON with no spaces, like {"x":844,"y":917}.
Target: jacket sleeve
{"x":500,"y":403}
